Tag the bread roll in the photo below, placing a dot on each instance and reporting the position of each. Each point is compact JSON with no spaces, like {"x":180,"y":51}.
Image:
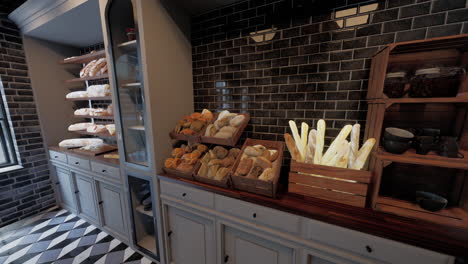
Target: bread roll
{"x":221,"y":174}
{"x":267,"y":175}
{"x":220,"y":152}
{"x":252,"y":151}
{"x":224,"y":135}
{"x":79,"y":126}
{"x":263,"y":163}
{"x":185,"y":167}
{"x":237,"y":121}
{"x":234,"y":152}
{"x":212,"y":170}
{"x":244,"y":167}
{"x":203,"y":171}
{"x":255,"y":172}
{"x":228,"y":129}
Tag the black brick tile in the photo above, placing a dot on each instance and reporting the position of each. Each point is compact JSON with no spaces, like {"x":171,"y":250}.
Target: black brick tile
{"x":443,"y":31}
{"x":395,"y":3}
{"x":429,"y":20}
{"x":344,"y":55}
{"x":444,"y":5}
{"x":411,"y":35}
{"x":352,"y":65}
{"x":310,"y":29}
{"x":415,"y":10}
{"x":381,"y":39}
{"x":457,"y":16}
{"x":369,"y":30}
{"x":354,"y":43}
{"x":343,"y":34}
{"x":364,"y":53}
{"x":399,"y":25}
{"x":330,"y":46}
{"x":386,"y":15}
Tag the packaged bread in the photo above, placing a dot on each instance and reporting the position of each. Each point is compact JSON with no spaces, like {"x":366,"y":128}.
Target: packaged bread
{"x":98,"y":112}
{"x":96,"y":67}
{"x":85,"y":71}
{"x":79,"y":126}
{"x":111,"y":156}
{"x":111,"y":129}
{"x":80,"y":142}
{"x":83,"y":111}
{"x":77,"y":94}
{"x":96,"y":129}
{"x":99,"y":90}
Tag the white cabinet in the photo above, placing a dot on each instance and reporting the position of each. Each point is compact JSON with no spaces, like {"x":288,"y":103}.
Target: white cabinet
{"x":244,"y":248}
{"x":86,"y":198}
{"x":111,"y":203}
{"x":64,"y":188}
{"x":191,"y":238}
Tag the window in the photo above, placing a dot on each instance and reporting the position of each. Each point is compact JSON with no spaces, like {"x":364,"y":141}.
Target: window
{"x":8,"y":154}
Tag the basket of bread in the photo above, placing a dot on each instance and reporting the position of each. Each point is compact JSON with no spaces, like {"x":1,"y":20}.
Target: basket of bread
{"x":338,"y":174}
{"x":183,"y":160}
{"x":215,"y":166}
{"x":191,"y":127}
{"x":257,"y":168}
{"x":226,"y":128}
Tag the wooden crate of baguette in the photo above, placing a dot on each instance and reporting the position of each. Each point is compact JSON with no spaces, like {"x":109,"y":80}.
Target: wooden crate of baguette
{"x":337,"y":174}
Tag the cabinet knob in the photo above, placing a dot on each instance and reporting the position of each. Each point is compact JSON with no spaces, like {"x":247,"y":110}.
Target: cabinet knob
{"x":184,"y":194}
{"x":55,"y":157}
{"x":100,"y":202}
{"x":369,"y":249}
{"x":169,"y":233}
{"x":76,"y":192}
{"x":57,"y":183}
{"x":103,"y":170}
{"x":254,"y":215}
{"x":226,"y":258}
{"x":76,"y":162}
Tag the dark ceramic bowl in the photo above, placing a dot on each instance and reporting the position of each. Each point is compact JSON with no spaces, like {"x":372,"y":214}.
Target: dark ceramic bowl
{"x":430,"y":201}
{"x":395,"y":147}
{"x":398,"y":134}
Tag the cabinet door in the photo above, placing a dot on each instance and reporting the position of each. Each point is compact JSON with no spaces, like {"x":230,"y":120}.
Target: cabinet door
{"x":244,"y":248}
{"x":112,"y":208}
{"x":191,"y":239}
{"x":86,"y":197}
{"x":64,"y":187}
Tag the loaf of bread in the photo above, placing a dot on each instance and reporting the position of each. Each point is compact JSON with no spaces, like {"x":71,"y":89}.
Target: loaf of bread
{"x":83,"y":111}
{"x":80,"y":142}
{"x":79,"y":126}
{"x":77,"y":94}
{"x":96,"y":129}
{"x":111,"y":129}
{"x":98,"y":90}
{"x":97,"y":67}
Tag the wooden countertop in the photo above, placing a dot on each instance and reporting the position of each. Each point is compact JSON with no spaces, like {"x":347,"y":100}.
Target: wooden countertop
{"x":444,"y":239}
{"x":99,"y":158}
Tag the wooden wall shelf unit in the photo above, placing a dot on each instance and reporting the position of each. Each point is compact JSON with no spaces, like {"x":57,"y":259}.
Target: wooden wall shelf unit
{"x":102,"y":76}
{"x":397,"y":177}
{"x":85,"y":58}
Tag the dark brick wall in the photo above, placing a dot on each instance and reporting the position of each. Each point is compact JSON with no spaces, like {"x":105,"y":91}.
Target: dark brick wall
{"x":315,"y":67}
{"x":26,"y":191}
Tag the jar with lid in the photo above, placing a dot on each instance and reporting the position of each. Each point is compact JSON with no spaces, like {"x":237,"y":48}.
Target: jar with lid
{"x":436,"y":82}
{"x":395,"y":83}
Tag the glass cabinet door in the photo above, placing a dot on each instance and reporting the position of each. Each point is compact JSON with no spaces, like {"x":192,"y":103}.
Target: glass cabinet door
{"x":126,"y":60}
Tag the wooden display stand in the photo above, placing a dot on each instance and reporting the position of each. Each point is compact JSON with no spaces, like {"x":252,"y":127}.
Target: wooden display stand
{"x":397,"y":177}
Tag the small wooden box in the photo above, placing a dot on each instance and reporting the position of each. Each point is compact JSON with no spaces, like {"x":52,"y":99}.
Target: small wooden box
{"x":339,"y":185}
{"x":267,"y":188}
{"x":227,"y":141}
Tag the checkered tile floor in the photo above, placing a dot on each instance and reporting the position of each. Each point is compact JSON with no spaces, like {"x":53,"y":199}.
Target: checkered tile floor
{"x":63,"y":238}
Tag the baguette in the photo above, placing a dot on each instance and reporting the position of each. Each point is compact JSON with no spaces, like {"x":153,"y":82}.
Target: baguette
{"x":340,"y":152}
{"x":320,"y":139}
{"x":363,"y":154}
{"x":304,"y":136}
{"x":295,"y":155}
{"x":354,"y":145}
{"x":297,"y":139}
{"x":343,"y":161}
{"x":333,"y":149}
{"x":311,"y":146}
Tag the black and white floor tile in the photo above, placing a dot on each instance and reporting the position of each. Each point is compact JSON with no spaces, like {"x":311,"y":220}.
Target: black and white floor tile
{"x":61,"y":237}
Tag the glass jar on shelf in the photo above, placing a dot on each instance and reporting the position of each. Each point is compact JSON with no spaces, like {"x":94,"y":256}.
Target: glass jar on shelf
{"x":433,"y":81}
{"x":395,"y":83}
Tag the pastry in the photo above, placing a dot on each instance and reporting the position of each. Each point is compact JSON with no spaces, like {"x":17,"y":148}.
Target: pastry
{"x":223,"y":114}
{"x":263,"y":163}
{"x":234,"y":152}
{"x":255,"y":172}
{"x":203,"y":171}
{"x":252,"y":151}
{"x":228,"y":129}
{"x":187,"y":131}
{"x":80,"y":142}
{"x":220,"y":152}
{"x":186,"y":148}
{"x":221,"y":123}
{"x":207,"y":115}
{"x":79,"y":126}
{"x":197,"y":125}
{"x":206,"y":158}
{"x":244,"y":166}
{"x":221,"y":173}
{"x":184,"y":167}
{"x":77,"y":94}
{"x":111,"y":129}
{"x":202,"y":148}
{"x":96,"y":129}
{"x":212,"y":170}
{"x":84,"y":72}
{"x":237,"y":121}
{"x":195,"y":115}
{"x":212,"y":154}
{"x":210,"y":131}
{"x":223,"y":135}
{"x":215,"y":162}
{"x":266,"y":154}
{"x":96,"y":67}
{"x":273,"y":154}
{"x":172,"y":163}
{"x":191,"y":158}
{"x":228,"y":161}
{"x":267,"y":175}
{"x":177,"y":153}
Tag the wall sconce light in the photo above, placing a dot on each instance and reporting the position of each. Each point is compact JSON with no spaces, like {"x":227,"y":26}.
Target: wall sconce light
{"x":263,"y":35}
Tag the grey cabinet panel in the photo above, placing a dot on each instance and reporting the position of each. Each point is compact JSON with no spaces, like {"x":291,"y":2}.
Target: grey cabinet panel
{"x":192,"y":239}
{"x":86,"y":196}
{"x":64,"y":187}
{"x":244,"y":248}
{"x":112,"y":208}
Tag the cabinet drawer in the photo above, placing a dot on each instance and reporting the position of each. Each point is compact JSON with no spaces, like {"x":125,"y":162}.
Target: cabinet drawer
{"x":54,"y":155}
{"x":258,"y":214}
{"x":78,"y":162}
{"x":111,"y":172}
{"x":384,"y":250}
{"x":188,"y":194}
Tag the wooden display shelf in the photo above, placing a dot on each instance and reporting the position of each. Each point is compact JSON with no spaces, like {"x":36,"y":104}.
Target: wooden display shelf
{"x":141,"y":210}
{"x":85,"y":58}
{"x":96,"y":117}
{"x":450,"y":216}
{"x":102,"y":134}
{"x":463,"y":98}
{"x":431,"y":159}
{"x":102,"y":76}
{"x":128,"y":46}
{"x":102,"y":98}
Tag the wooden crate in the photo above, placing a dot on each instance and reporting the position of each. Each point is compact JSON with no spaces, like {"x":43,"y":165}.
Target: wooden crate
{"x":339,"y":185}
{"x":227,"y":141}
{"x":180,"y":174}
{"x":269,"y":188}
